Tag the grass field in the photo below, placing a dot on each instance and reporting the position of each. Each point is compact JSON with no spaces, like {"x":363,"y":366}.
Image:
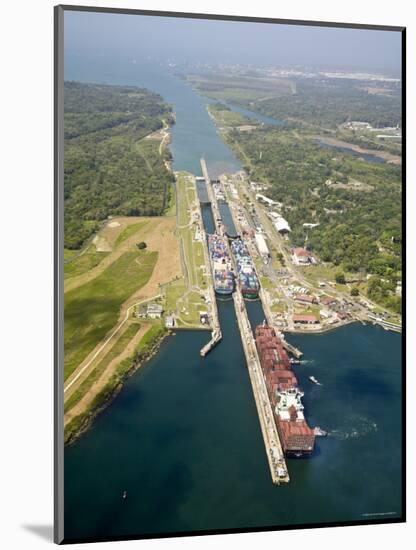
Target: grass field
{"x":194,"y":258}
{"x":68,"y":254}
{"x":173,"y":292}
{"x":84,"y":262}
{"x":229,"y":118}
{"x":128,"y":232}
{"x":93,"y":309}
{"x":310,"y":310}
{"x":189,"y":307}
{"x":182,"y":184}
{"x":266,"y":283}
{"x":102,"y":364}
{"x":193,"y":251}
{"x":185,"y":304}
{"x":278,"y":307}
{"x":171,"y":208}
{"x":235,"y":94}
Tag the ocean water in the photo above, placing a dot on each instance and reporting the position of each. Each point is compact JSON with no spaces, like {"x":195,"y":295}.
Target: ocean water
{"x":183,"y":438}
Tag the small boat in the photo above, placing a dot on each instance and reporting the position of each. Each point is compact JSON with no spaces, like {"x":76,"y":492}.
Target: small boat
{"x":314,"y":380}
{"x":295,"y":361}
{"x":319,"y":432}
{"x":124,"y":494}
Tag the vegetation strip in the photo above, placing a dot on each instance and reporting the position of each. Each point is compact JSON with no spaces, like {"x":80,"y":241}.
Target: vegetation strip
{"x":145,"y":349}
{"x":93,"y":309}
{"x":101,"y":366}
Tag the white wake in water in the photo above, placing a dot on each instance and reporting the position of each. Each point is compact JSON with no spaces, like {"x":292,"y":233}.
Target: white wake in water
{"x":359,"y":426}
{"x":304,"y":362}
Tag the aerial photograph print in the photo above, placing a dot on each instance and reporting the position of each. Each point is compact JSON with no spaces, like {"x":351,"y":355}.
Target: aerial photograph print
{"x":231,"y":275}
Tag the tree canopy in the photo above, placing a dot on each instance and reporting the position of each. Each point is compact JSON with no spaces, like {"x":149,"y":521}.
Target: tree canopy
{"x":109,"y":169}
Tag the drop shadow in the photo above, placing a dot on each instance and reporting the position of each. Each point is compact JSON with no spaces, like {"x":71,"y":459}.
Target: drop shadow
{"x":45,"y":532}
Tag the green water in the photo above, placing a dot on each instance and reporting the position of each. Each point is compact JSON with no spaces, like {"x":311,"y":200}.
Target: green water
{"x":183,"y":437}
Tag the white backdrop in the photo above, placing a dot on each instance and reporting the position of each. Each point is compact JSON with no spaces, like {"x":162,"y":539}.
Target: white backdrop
{"x":26,"y":306}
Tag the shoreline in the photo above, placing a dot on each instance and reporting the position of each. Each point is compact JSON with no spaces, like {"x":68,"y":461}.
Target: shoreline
{"x":85,"y":420}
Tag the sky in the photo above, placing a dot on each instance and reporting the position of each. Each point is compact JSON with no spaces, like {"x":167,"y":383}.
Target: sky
{"x":192,"y":41}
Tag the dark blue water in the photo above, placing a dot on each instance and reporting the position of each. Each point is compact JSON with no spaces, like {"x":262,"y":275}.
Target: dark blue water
{"x":201,"y":187}
{"x":183,"y":437}
{"x":192,"y":457}
{"x":349,"y":151}
{"x":208,"y":219}
{"x":227,"y":219}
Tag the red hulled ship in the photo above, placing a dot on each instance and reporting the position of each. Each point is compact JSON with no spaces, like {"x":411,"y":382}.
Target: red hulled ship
{"x":296,"y":437}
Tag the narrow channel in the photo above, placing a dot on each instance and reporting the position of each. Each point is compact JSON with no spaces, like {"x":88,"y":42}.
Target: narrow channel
{"x":254,"y":307}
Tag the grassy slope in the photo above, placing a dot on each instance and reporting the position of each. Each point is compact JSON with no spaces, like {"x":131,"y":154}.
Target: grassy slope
{"x":93,"y":309}
{"x":142,"y":352}
{"x":116,"y":350}
{"x":128,"y":232}
{"x":84,"y":262}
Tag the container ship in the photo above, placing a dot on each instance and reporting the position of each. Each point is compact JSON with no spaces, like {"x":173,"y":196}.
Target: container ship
{"x":296,"y":437}
{"x":246,"y":273}
{"x":222,"y":273}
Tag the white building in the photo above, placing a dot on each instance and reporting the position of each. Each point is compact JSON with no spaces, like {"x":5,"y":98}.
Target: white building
{"x":170,"y":321}
{"x":310,"y":225}
{"x":256,"y":186}
{"x":273,"y":215}
{"x":325,"y":313}
{"x":262,"y":245}
{"x":154,"y":311}
{"x":282,"y":225}
{"x":267,"y":200}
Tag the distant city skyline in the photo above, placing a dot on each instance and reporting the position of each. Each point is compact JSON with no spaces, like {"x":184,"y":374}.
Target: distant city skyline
{"x":193,"y":41}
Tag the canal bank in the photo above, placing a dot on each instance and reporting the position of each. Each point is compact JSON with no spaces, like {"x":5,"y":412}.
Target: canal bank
{"x":182,"y":437}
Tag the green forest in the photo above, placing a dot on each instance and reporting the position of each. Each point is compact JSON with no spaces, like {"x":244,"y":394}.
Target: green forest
{"x":109,"y":168}
{"x":305,"y":102}
{"x":357,"y":204}
{"x":330,"y":104}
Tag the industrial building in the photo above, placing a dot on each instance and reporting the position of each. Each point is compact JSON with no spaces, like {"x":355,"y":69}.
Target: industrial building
{"x":154,"y":311}
{"x":282,"y":225}
{"x":306,"y":299}
{"x":328,"y":301}
{"x":262,"y":246}
{"x":267,"y":200}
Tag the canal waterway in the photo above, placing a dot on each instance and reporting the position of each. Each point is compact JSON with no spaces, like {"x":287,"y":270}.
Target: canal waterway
{"x":183,"y":437}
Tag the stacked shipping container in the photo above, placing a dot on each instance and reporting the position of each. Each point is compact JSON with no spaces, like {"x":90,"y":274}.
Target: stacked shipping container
{"x":297,"y":438}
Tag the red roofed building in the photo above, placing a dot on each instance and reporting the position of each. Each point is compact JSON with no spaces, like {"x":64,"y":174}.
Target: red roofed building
{"x":300,"y":256}
{"x":343,"y":316}
{"x":306,"y":299}
{"x":328,"y":301}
